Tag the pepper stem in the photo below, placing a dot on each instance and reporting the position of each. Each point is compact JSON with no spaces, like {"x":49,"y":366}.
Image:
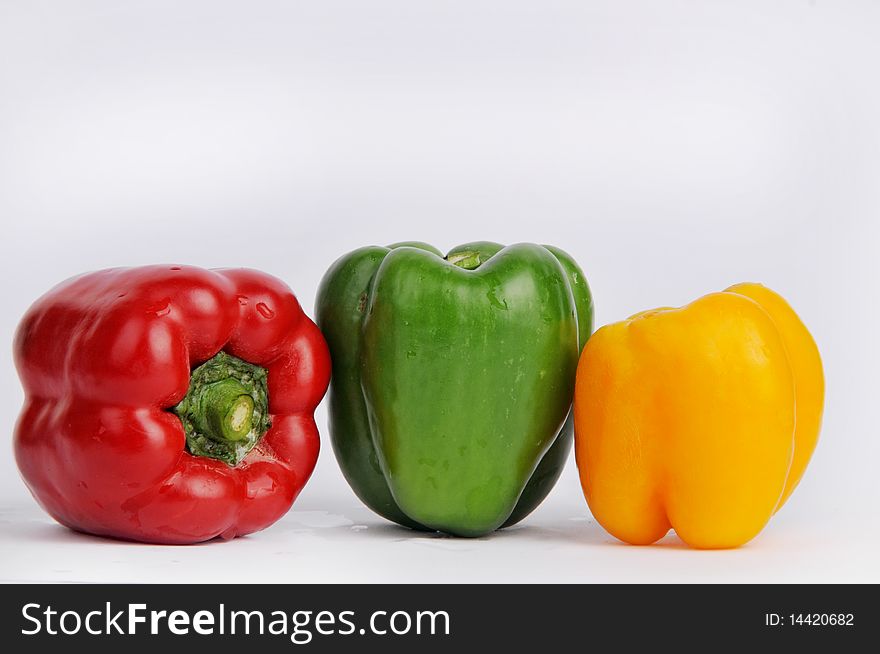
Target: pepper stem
{"x":226,"y":408}
{"x":468,"y":259}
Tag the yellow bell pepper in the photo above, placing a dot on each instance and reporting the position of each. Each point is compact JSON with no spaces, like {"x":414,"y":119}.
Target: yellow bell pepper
{"x":700,"y":419}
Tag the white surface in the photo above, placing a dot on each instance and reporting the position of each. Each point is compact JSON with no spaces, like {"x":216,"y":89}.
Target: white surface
{"x":672,"y":148}
{"x":325,"y":539}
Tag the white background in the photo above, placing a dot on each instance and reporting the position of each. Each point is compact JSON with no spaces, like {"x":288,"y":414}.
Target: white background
{"x":672,"y":147}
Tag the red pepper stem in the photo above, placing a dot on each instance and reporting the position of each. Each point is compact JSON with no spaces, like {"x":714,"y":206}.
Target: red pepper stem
{"x":228,"y":410}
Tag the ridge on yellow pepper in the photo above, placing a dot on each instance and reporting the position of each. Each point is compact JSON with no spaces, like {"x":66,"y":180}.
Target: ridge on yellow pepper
{"x":700,"y":419}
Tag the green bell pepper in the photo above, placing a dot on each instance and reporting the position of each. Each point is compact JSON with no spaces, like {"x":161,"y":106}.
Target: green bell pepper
{"x":453,"y":376}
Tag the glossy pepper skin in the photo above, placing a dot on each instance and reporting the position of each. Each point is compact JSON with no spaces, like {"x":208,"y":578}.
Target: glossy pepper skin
{"x":700,"y":419}
{"x":453,"y":378}
{"x":106,"y":361}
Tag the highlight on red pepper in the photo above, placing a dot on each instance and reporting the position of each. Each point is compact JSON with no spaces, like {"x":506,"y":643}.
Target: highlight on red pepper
{"x":168,"y":404}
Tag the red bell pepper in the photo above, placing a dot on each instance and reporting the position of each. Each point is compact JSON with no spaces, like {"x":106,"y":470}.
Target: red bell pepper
{"x":168,"y":404}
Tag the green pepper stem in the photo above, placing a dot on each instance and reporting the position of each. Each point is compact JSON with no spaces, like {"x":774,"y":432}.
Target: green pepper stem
{"x":469,"y":259}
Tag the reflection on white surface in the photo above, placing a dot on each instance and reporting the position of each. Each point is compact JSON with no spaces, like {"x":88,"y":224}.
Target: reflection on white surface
{"x":348,"y":544}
